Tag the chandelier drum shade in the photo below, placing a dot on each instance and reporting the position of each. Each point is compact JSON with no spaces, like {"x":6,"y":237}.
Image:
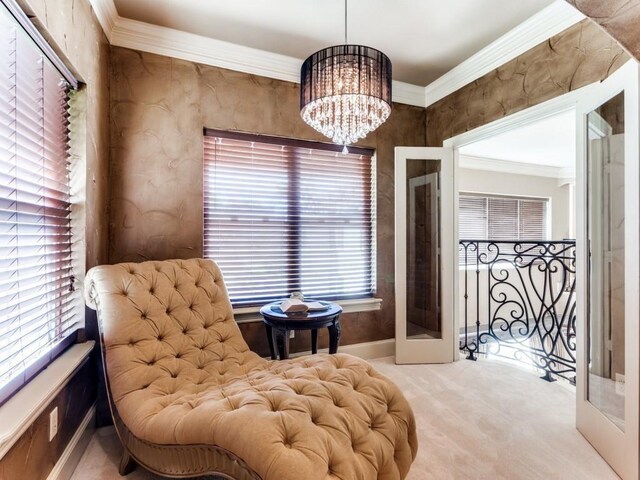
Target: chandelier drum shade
{"x":345,"y":92}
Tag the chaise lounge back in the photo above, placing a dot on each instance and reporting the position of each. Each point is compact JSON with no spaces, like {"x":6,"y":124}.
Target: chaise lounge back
{"x":189,"y":398}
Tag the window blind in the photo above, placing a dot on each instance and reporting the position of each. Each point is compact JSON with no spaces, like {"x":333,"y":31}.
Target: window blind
{"x":493,"y":217}
{"x":283,"y":216}
{"x":36,"y":282}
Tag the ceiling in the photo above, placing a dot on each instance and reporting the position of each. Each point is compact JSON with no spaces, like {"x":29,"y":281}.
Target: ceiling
{"x":423,"y":38}
{"x":549,"y":142}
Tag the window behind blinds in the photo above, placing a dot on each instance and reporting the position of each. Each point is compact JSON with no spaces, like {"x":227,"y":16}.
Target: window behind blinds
{"x":36,"y":282}
{"x":492,"y":217}
{"x":283,"y":216}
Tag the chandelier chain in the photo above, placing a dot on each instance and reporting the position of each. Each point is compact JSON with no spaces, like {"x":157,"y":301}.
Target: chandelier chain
{"x":345,"y":21}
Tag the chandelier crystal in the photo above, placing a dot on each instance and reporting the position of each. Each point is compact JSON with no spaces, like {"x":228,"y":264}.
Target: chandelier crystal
{"x":345,"y":92}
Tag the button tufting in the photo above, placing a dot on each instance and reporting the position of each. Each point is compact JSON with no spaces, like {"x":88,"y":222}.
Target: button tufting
{"x":254,"y":387}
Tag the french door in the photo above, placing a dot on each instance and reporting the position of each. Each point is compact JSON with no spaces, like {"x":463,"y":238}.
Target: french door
{"x":608,"y":246}
{"x":425,"y":254}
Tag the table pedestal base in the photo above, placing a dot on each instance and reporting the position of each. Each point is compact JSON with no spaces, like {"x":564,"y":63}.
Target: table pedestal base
{"x":278,"y":339}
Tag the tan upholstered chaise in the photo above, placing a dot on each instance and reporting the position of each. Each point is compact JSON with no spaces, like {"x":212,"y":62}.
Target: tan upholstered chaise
{"x":188,"y":397}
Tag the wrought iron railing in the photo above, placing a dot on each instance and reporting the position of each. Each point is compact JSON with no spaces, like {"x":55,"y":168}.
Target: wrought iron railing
{"x":519,"y":301}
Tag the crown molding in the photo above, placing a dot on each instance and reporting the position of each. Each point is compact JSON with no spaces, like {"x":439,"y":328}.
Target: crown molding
{"x":197,"y":48}
{"x":208,"y":51}
{"x":507,"y":166}
{"x":408,"y":94}
{"x":550,"y":21}
{"x":124,"y":32}
{"x":107,"y":15}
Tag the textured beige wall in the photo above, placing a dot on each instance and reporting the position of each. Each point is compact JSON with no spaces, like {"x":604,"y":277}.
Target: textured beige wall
{"x":33,"y":456}
{"x":620,"y":18}
{"x":159,"y":106}
{"x":72,"y":29}
{"x":580,"y":55}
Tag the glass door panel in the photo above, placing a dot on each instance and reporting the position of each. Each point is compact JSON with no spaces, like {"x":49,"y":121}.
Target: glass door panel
{"x":608,"y":269}
{"x":606,"y":230}
{"x":423,"y":249}
{"x":425,"y":255}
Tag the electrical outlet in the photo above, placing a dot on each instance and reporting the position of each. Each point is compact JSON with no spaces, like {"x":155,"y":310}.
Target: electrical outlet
{"x":53,"y":423}
{"x":292,"y":334}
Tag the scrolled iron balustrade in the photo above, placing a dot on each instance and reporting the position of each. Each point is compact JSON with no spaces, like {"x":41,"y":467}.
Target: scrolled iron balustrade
{"x":523,"y":293}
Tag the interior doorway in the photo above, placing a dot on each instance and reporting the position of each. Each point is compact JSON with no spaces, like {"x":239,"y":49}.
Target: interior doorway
{"x":517,"y":249}
{"x":566,"y":300}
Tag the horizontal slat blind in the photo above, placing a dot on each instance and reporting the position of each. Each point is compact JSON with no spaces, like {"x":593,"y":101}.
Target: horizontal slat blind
{"x":36,"y":282}
{"x":494,"y":217}
{"x":285,"y":217}
{"x":532,"y":218}
{"x":473,"y":217}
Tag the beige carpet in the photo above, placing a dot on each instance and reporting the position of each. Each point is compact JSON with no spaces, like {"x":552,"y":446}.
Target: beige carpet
{"x":476,"y":420}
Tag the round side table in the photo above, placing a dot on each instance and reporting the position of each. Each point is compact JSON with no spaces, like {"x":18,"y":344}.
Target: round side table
{"x":278,"y":325}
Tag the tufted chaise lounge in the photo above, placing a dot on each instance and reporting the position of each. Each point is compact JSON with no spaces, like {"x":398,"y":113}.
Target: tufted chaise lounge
{"x":189,"y":398}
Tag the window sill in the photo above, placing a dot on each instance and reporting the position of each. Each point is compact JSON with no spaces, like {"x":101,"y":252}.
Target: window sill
{"x":252,"y":314}
{"x":24,"y":407}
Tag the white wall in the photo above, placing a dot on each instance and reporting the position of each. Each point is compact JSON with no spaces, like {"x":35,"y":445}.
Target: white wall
{"x":483,"y":181}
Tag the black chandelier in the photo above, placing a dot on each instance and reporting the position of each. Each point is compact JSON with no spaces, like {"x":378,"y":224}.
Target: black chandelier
{"x":345,"y":91}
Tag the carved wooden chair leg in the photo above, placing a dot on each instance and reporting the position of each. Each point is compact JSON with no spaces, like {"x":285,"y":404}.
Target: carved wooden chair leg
{"x":127,"y":464}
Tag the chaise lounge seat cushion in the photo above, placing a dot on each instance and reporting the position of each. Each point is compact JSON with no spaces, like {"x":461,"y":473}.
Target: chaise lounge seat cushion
{"x":180,"y":373}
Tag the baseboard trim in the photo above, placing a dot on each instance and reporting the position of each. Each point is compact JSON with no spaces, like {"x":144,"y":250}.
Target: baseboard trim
{"x":366,"y":350}
{"x":66,"y":465}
